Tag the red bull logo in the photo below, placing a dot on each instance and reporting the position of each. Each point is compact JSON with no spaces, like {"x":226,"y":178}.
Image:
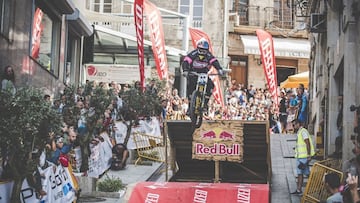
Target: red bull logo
{"x":218,"y":134}
{"x":209,"y":134}
{"x":217,"y":149}
{"x":226,"y":135}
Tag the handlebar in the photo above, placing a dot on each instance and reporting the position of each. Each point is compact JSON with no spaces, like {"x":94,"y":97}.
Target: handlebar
{"x":209,"y":74}
{"x":197,"y":74}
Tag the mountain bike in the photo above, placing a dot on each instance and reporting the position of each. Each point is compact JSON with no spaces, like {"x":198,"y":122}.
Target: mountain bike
{"x":197,"y":99}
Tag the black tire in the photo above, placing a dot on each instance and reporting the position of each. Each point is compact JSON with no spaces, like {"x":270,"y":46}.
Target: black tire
{"x":196,"y":119}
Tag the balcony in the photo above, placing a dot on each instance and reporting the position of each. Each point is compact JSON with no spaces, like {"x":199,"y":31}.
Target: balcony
{"x":246,"y":15}
{"x":279,"y":22}
{"x":254,"y":16}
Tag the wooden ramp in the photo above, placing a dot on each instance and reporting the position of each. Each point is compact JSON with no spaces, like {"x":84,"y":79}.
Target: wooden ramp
{"x":256,"y":165}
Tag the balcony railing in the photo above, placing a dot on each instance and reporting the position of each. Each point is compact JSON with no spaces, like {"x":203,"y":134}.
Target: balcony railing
{"x":263,"y":17}
{"x":247,"y":15}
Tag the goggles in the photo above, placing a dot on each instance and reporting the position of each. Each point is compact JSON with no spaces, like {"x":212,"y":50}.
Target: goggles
{"x":202,"y":51}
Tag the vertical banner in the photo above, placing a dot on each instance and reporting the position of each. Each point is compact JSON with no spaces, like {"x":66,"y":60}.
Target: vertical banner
{"x":196,"y":35}
{"x":157,"y":38}
{"x":139,"y":25}
{"x":36,"y":33}
{"x":268,"y":60}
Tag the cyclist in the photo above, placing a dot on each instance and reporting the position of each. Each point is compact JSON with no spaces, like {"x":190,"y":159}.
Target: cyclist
{"x":200,"y":60}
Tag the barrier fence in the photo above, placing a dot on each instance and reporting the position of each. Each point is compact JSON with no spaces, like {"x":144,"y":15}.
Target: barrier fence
{"x":149,"y":147}
{"x":315,"y":190}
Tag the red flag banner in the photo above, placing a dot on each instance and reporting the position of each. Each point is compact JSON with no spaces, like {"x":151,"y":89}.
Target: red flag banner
{"x":196,"y":35}
{"x":36,"y":33}
{"x":179,"y":192}
{"x":157,"y":38}
{"x":139,"y":26}
{"x":268,"y":60}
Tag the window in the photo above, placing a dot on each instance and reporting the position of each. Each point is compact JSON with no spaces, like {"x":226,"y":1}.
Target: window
{"x":6,"y":18}
{"x":45,"y":41}
{"x":193,"y":8}
{"x":101,"y":6}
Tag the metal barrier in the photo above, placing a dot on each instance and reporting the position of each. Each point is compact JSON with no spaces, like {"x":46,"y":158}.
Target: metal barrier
{"x":315,"y":190}
{"x":332,"y":163}
{"x":149,"y":147}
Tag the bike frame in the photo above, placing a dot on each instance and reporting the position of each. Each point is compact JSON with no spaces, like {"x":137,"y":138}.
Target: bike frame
{"x":201,"y":86}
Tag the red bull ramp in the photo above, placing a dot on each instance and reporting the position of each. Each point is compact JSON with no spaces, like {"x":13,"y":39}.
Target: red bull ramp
{"x":247,"y":161}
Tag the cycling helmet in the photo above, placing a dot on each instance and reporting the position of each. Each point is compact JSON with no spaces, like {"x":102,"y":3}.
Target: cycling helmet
{"x":203,"y":44}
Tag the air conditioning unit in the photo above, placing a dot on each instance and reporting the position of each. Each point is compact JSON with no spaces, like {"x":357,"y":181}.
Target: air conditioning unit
{"x":317,"y":22}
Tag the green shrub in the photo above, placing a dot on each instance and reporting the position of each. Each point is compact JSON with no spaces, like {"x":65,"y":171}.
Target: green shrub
{"x":110,"y":184}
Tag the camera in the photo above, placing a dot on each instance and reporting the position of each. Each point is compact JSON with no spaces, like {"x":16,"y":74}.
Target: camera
{"x":355,"y":108}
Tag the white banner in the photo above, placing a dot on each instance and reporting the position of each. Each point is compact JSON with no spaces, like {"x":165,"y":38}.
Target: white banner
{"x":100,"y":158}
{"x":5,"y":191}
{"x":150,"y":127}
{"x":56,"y":183}
{"x":113,"y":72}
{"x":78,"y":159}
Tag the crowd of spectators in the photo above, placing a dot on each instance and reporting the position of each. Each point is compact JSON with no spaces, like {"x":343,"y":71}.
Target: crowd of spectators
{"x":248,"y":103}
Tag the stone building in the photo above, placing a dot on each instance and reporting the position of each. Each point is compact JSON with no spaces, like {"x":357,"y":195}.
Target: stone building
{"x":42,"y":40}
{"x":334,"y":75}
{"x":230,"y":24}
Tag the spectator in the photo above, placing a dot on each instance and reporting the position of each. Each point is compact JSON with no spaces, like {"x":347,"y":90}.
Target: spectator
{"x":303,"y":104}
{"x":59,"y":143}
{"x":47,"y":98}
{"x":339,"y":125}
{"x":352,"y":166}
{"x":120,"y":154}
{"x":283,"y":112}
{"x":332,"y":184}
{"x":8,"y":81}
{"x":304,"y":150}
{"x":353,"y":194}
{"x":251,"y":92}
{"x":152,"y":87}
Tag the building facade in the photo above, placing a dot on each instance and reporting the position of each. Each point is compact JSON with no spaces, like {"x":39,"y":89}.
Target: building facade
{"x":42,"y":41}
{"x":334,"y":71}
{"x":285,"y":21}
{"x":236,"y":48}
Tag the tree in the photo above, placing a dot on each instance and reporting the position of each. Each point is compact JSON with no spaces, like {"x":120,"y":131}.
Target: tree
{"x":26,"y":121}
{"x":138,"y":104}
{"x":98,"y":99}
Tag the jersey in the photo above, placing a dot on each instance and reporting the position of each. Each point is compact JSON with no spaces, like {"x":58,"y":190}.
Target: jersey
{"x":193,"y":62}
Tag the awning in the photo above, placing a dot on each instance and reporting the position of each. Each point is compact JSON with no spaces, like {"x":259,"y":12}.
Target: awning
{"x":108,"y":38}
{"x":79,"y":24}
{"x":61,"y":6}
{"x":293,"y":81}
{"x":293,"y":48}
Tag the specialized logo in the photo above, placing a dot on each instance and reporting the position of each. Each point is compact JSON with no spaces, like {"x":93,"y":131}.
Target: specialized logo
{"x":91,"y":70}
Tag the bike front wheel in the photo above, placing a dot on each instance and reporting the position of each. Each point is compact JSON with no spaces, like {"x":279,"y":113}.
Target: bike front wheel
{"x":195,"y":109}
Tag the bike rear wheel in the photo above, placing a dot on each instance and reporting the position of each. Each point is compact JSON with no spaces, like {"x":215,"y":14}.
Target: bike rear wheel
{"x":195,"y":110}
